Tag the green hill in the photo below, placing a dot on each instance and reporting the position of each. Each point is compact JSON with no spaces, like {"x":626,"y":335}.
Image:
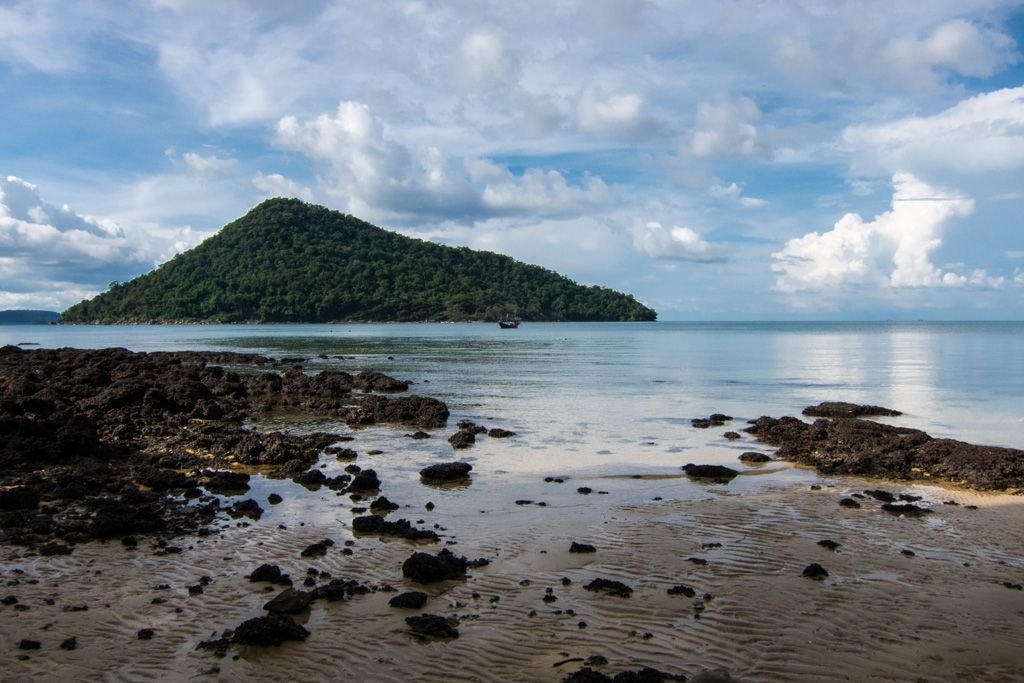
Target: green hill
{"x":28,"y":317}
{"x":288,"y":261}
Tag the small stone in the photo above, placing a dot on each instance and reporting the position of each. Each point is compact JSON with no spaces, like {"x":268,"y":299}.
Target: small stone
{"x":814,"y":571}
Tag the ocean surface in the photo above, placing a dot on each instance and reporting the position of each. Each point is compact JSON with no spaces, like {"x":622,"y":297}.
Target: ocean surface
{"x":610,"y":398}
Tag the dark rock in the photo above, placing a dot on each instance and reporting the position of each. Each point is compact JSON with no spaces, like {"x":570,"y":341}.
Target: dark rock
{"x":829,"y":544}
{"x":581,"y":548}
{"x":274,"y":499}
{"x":418,"y":435}
{"x":905,"y":510}
{"x":883,"y":496}
{"x":26,"y":644}
{"x":682,"y":589}
{"x":146,"y":634}
{"x":843,"y":409}
{"x":713,"y":676}
{"x":462,"y":439}
{"x":268,"y":572}
{"x":432,"y":626}
{"x":866,"y":448}
{"x":226,"y":482}
{"x":369,"y":380}
{"x":318,"y":549}
{"x":245,"y":508}
{"x":717,"y":473}
{"x":402,"y":528}
{"x":499,"y":433}
{"x":313,"y":479}
{"x":427,"y":568}
{"x":409,"y":600}
{"x":814,"y":571}
{"x":69,"y":643}
{"x":732,"y":436}
{"x":338,"y":589}
{"x":52,"y":549}
{"x":610,"y":587}
{"x":849,"y":503}
{"x":19,"y":498}
{"x":273,"y":629}
{"x":365,"y":480}
{"x":1012,"y":586}
{"x":585,"y":490}
{"x":447,"y":471}
{"x":754,"y":458}
{"x":383,"y":506}
{"x":420,"y":411}
{"x":289,"y":601}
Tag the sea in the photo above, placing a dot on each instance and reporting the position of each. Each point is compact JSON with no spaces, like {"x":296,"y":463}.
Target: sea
{"x":609,"y":399}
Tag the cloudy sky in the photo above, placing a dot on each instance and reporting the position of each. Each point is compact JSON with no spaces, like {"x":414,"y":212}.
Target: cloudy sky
{"x":745,"y":159}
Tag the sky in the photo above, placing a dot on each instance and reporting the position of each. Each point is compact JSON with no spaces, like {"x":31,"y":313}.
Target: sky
{"x":732,"y":160}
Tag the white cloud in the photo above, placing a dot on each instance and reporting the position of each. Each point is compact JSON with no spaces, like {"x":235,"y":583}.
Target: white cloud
{"x":276,"y":185}
{"x":596,"y":112}
{"x":482,"y":58}
{"x":208,"y":165}
{"x":734,"y":191}
{"x":893,"y":250}
{"x":956,"y":45}
{"x":377,"y":175}
{"x":726,"y":127}
{"x":677,"y":243}
{"x":982,"y":134}
{"x":54,"y":254}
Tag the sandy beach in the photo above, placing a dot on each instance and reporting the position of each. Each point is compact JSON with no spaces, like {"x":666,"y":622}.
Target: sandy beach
{"x":704,"y":575}
{"x":905,"y":599}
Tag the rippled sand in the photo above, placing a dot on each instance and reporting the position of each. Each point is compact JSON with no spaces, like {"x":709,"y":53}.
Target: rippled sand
{"x":939,"y":614}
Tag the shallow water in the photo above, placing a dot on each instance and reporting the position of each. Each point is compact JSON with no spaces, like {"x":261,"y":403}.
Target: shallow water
{"x":606,"y":406}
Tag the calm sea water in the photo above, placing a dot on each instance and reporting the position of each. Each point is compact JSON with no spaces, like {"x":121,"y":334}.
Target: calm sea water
{"x":617,"y":397}
{"x":602,"y":404}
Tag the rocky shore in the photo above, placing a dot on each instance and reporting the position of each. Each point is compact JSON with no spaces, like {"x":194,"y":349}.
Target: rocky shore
{"x":840,"y":442}
{"x":157,"y":454}
{"x":93,"y":441}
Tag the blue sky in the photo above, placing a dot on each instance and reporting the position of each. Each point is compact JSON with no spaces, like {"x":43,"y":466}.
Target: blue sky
{"x":728,"y":160}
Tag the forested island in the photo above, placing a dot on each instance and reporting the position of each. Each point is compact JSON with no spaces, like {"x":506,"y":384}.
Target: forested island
{"x":289,"y":261}
{"x":28,"y":317}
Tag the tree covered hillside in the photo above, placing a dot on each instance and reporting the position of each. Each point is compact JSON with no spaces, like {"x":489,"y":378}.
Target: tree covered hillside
{"x":288,"y":261}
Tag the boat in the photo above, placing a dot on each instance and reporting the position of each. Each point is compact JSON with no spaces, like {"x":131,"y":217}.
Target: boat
{"x":508,"y":323}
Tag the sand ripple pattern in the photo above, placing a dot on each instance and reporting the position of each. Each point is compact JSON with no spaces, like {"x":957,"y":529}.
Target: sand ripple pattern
{"x":938,"y":614}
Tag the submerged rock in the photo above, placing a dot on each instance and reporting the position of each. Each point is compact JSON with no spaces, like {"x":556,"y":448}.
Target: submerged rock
{"x":427,"y":568}
{"x":718,"y":473}
{"x":609,"y":587}
{"x":273,"y":629}
{"x":814,"y":571}
{"x":843,"y":409}
{"x":409,"y":600}
{"x":432,"y":626}
{"x":446,"y":471}
{"x":289,"y":601}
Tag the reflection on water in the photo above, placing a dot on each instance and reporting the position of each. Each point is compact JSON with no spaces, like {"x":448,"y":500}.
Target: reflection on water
{"x":580,"y":388}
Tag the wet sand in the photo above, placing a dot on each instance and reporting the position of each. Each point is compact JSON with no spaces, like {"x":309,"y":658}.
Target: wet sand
{"x":882,"y":614}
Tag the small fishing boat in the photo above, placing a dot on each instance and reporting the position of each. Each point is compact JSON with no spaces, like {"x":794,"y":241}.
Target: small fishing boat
{"x":508,"y":323}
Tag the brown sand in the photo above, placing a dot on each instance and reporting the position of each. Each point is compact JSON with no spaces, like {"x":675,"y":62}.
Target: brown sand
{"x":939,"y":615}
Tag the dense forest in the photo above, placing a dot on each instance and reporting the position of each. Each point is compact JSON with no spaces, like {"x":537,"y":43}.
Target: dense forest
{"x":289,"y":261}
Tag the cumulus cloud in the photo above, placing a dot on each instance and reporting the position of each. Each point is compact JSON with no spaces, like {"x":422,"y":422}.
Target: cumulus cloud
{"x":54,"y":256}
{"x":378,"y":175}
{"x":675,"y":243}
{"x":982,"y":134}
{"x":893,"y":250}
{"x":597,"y":112}
{"x":956,"y":45}
{"x":276,"y":185}
{"x":726,"y":127}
